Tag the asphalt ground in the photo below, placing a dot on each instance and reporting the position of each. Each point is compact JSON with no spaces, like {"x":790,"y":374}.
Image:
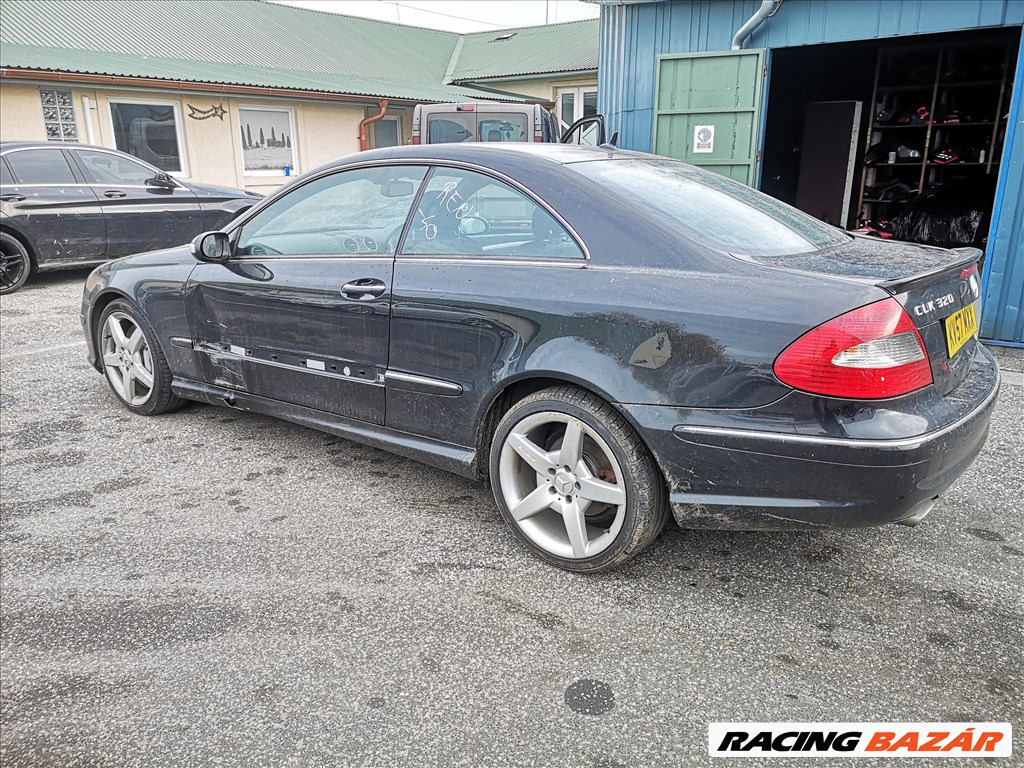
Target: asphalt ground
{"x":212,"y":588}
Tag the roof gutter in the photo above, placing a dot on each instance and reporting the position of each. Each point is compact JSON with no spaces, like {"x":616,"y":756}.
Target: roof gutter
{"x":768,"y":8}
{"x":118,"y":81}
{"x":364,"y":139}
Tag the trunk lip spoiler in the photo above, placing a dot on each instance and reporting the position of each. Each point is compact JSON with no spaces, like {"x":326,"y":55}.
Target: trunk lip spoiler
{"x":967,"y":256}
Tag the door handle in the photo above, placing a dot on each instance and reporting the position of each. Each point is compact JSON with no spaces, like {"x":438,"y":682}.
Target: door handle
{"x":12,"y":198}
{"x":364,"y":288}
{"x":115,"y":193}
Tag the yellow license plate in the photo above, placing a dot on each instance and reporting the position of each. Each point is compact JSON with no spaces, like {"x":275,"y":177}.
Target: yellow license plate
{"x":960,"y":326}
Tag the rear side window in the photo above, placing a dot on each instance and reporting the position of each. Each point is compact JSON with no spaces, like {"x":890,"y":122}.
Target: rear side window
{"x":5,"y":173}
{"x":463,"y":212}
{"x":713,"y":210}
{"x":41,"y":166}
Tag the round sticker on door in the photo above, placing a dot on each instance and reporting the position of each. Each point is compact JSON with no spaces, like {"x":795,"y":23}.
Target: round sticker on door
{"x":704,"y":138}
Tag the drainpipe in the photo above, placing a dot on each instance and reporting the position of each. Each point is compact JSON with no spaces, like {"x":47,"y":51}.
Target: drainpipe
{"x":364,"y":140}
{"x":768,"y":7}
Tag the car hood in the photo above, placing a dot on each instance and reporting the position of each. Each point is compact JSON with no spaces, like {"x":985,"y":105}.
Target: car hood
{"x":180,"y":254}
{"x":213,"y":190}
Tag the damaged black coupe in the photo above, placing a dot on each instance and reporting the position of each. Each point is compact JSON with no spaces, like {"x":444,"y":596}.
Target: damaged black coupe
{"x":609,"y":337}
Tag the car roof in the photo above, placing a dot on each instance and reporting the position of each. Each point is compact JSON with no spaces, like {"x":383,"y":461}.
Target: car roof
{"x":500,"y":156}
{"x":6,"y":145}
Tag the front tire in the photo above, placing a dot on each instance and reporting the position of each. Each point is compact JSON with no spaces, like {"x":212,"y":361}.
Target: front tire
{"x":15,"y":264}
{"x":133,"y":362}
{"x":574,"y":481}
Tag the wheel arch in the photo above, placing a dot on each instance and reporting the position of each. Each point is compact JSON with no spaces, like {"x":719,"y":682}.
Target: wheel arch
{"x":26,"y":243}
{"x":515,"y":388}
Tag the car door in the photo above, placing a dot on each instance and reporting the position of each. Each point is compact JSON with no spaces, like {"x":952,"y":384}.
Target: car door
{"x":52,"y":206}
{"x":301,"y":311}
{"x":142,"y":212}
{"x":587,"y":132}
{"x":480,"y":265}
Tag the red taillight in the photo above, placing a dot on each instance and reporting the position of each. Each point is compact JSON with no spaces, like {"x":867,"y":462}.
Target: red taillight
{"x":415,"y":140}
{"x":969,"y":271}
{"x":870,"y":353}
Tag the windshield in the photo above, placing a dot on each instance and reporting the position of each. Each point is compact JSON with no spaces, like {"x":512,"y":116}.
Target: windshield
{"x":713,"y":210}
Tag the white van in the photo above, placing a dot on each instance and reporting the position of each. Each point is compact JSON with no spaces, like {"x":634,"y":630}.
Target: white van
{"x":494,"y":121}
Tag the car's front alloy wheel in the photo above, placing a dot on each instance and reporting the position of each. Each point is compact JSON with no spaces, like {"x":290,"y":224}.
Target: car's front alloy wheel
{"x":574,"y":481}
{"x":133,"y":362}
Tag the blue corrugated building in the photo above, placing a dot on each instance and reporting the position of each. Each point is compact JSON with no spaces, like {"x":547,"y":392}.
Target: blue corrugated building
{"x":868,"y":113}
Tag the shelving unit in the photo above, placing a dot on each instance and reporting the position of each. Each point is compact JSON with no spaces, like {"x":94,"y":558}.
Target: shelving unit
{"x":974,"y":80}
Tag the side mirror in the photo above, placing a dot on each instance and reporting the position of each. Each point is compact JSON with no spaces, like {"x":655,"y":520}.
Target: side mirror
{"x":162,"y":180}
{"x":211,"y":246}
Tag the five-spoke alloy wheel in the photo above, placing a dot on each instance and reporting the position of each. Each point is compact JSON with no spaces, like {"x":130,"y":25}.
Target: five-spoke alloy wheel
{"x":15,"y":264}
{"x":574,"y":481}
{"x":133,"y":361}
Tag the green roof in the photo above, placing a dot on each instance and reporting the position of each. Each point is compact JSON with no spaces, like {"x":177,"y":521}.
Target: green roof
{"x":255,"y":43}
{"x":555,"y":48}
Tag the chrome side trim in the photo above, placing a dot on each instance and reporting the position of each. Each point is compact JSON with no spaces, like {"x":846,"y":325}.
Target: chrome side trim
{"x":906,"y":442}
{"x":422,"y":383}
{"x":375,"y":382}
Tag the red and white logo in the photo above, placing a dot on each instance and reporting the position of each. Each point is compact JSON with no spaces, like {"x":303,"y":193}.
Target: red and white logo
{"x":853,"y":739}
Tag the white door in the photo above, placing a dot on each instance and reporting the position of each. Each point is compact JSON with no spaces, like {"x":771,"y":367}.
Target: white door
{"x":574,"y":103}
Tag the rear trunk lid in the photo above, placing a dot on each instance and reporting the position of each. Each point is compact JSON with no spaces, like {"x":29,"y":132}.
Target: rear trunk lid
{"x":939,"y":288}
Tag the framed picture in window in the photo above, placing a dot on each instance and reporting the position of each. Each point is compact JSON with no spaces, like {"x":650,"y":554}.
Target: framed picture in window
{"x":268,"y":140}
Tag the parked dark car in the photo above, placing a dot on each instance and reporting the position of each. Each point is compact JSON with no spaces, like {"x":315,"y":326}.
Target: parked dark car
{"x":72,"y":205}
{"x":607,"y":336}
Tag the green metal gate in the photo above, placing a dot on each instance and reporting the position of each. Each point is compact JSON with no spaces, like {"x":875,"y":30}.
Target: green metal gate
{"x":707,"y":110}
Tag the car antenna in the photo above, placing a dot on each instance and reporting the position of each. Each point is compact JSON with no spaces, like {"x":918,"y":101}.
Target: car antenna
{"x":612,"y":143}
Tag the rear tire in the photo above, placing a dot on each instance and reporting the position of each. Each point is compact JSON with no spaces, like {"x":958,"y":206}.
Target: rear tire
{"x":15,"y":264}
{"x":133,"y":362}
{"x":574,"y":481}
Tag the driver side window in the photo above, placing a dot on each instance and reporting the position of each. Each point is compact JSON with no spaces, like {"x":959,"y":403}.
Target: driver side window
{"x":350,"y":212}
{"x":107,"y":168}
{"x":463,"y":212}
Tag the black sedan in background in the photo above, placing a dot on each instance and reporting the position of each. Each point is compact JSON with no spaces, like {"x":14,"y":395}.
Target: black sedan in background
{"x":609,"y":337}
{"x":71,"y":205}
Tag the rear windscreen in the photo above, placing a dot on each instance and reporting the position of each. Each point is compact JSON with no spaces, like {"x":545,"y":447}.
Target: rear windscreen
{"x":449,"y":127}
{"x":711,"y":209}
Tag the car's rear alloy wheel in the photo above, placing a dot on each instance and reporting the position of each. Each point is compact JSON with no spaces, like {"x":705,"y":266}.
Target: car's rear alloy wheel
{"x":133,"y":362}
{"x":15,"y":264}
{"x":574,"y":481}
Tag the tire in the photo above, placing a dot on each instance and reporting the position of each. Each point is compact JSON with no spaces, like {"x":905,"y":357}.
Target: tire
{"x":574,"y":481}
{"x":15,"y":264}
{"x":133,"y":362}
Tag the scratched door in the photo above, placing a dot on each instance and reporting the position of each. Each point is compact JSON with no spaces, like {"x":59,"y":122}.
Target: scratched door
{"x":58,"y":211}
{"x":708,"y":110}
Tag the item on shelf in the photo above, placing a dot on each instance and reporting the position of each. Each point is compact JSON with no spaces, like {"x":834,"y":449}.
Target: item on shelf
{"x":945,"y":156}
{"x":917,"y":117}
{"x":876,"y":154}
{"x":882,"y":229}
{"x":895,"y":191}
{"x":884,"y":115}
{"x":903,"y":152}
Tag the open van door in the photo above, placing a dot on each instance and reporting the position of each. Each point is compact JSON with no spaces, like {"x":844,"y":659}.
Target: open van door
{"x":587,"y":132}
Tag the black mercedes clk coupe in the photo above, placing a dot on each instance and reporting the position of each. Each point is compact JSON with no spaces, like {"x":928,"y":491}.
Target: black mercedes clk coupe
{"x":609,"y":337}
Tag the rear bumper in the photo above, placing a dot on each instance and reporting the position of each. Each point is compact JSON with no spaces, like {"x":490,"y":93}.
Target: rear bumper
{"x":744,"y":478}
